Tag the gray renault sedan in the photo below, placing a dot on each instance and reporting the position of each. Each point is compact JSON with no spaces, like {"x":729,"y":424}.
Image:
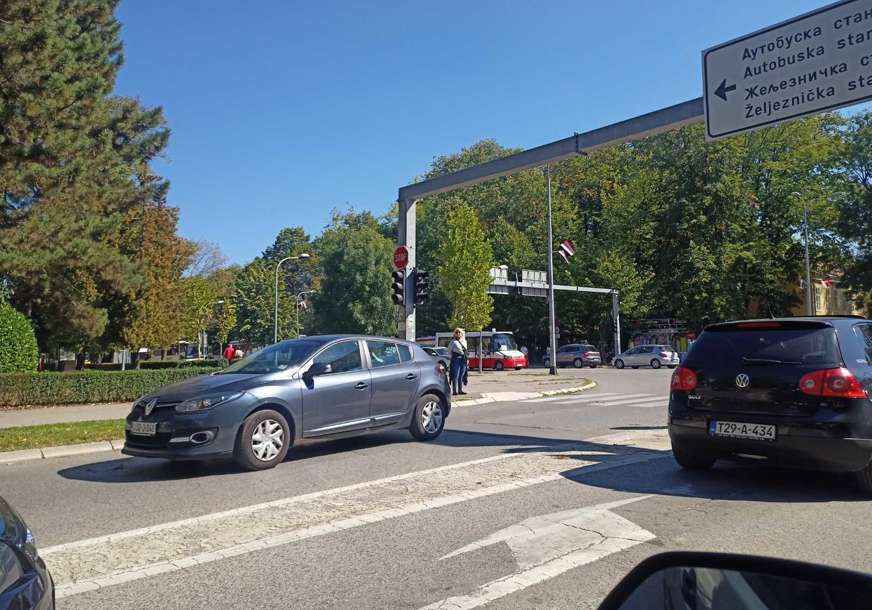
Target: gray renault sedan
{"x":316,"y":387}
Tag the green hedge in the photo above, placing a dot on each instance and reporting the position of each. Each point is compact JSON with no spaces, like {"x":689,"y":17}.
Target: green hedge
{"x":18,"y":350}
{"x":21,"y":389}
{"x":159,"y":364}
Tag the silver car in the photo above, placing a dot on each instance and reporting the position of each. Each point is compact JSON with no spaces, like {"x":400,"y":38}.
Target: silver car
{"x":577,"y":355}
{"x":654,"y":356}
{"x":317,"y":387}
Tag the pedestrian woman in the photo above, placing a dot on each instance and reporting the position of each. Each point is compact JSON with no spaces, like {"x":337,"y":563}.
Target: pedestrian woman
{"x":457,"y":368}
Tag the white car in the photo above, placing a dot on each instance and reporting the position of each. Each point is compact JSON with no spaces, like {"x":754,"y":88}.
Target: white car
{"x":654,"y":356}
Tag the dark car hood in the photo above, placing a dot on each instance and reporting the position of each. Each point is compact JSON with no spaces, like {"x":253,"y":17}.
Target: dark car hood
{"x":12,"y":528}
{"x":207,"y":384}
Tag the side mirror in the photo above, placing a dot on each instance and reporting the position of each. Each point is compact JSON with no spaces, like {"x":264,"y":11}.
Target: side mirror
{"x":319,"y":368}
{"x":702,"y":581}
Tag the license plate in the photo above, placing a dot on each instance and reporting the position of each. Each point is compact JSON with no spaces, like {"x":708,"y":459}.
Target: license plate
{"x":733,"y":429}
{"x":143,"y":428}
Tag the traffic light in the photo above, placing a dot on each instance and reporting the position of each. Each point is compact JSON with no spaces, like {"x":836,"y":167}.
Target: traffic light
{"x":398,"y":279}
{"x":422,"y":289}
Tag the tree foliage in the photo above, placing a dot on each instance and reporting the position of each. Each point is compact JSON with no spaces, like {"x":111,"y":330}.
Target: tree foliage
{"x":464,"y":269}
{"x":356,"y":263}
{"x":74,"y":163}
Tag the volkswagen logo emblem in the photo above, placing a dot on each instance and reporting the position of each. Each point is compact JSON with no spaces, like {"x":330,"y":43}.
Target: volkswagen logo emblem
{"x":742,"y":380}
{"x":151,"y":404}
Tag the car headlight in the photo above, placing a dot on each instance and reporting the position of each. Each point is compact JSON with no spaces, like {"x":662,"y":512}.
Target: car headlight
{"x":205,"y":402}
{"x":29,"y":547}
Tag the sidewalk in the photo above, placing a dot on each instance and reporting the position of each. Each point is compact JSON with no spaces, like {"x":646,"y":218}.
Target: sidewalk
{"x":63,"y":414}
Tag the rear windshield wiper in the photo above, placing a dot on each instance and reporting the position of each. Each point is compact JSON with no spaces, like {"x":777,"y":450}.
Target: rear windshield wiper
{"x":749,"y":360}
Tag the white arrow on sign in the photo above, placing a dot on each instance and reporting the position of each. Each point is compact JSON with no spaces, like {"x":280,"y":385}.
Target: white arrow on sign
{"x":549,"y":545}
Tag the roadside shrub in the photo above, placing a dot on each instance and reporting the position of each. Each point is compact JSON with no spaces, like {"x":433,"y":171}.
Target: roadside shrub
{"x":18,"y":349}
{"x":26,"y":389}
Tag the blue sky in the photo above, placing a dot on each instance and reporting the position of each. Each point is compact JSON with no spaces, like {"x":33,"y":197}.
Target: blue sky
{"x":281,"y":111}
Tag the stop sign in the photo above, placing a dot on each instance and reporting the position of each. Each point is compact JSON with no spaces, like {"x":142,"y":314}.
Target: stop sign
{"x":401,"y":257}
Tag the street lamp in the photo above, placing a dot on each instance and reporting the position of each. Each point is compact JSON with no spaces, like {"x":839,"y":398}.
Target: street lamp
{"x":302,"y":256}
{"x":297,"y":309}
{"x":808,"y":293}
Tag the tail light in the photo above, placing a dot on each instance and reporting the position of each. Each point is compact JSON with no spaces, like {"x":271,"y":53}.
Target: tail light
{"x":683,"y":380}
{"x":664,"y":354}
{"x":832,"y":383}
{"x":440,"y":368}
{"x":587,"y":354}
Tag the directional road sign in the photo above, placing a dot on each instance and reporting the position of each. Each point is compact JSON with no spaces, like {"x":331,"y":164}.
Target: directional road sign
{"x":818,"y":61}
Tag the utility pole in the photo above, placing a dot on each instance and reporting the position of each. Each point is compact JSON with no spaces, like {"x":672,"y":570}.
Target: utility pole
{"x":809,"y":306}
{"x":552,"y":319}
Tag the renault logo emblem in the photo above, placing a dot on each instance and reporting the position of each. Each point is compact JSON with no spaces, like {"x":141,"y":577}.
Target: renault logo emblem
{"x":150,"y":405}
{"x":742,"y":380}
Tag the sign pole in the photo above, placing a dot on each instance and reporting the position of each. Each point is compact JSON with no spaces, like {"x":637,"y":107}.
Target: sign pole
{"x":552,"y":318}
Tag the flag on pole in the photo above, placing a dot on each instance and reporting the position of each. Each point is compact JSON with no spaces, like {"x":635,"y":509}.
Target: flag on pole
{"x":827,"y":283}
{"x":566,"y":250}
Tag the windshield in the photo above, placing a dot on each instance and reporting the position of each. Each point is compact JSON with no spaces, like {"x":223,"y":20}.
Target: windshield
{"x":274,"y":358}
{"x":504,"y":342}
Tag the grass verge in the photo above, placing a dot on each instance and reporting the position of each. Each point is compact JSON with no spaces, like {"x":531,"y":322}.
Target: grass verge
{"x":50,"y":435}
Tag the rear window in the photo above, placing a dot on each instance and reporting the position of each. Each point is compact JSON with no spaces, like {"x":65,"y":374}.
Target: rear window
{"x":788,"y":344}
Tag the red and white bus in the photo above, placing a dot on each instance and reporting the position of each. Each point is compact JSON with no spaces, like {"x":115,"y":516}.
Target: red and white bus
{"x":500,"y":350}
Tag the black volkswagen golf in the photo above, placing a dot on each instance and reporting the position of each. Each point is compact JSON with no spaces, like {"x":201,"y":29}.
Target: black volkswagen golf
{"x":792,"y":391}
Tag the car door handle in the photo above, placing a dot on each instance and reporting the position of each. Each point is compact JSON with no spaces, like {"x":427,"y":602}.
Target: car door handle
{"x":361,"y":386}
{"x":411,"y":376}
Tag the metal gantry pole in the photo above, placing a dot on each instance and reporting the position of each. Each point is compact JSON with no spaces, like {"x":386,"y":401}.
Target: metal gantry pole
{"x":406,"y":237}
{"x":552,"y":318}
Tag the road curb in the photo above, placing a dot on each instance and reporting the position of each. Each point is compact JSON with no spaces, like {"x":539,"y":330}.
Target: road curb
{"x":25,"y":455}
{"x":490,"y":397}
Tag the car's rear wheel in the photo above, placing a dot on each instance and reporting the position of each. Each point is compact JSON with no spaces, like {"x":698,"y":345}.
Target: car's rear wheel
{"x":498,"y":366}
{"x":263,"y":441}
{"x":864,"y":479}
{"x":691,"y":460}
{"x":655,"y":364}
{"x":428,"y":419}
{"x":578,"y":363}
{"x":619,"y":364}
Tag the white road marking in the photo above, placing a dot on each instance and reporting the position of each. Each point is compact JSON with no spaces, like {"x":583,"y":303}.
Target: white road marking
{"x":608,"y":401}
{"x":566,"y":396}
{"x":549,"y":545}
{"x":637,"y":401}
{"x":91,"y":564}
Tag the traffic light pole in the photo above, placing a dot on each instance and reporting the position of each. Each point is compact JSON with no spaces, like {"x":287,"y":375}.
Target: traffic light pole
{"x":616,"y":320}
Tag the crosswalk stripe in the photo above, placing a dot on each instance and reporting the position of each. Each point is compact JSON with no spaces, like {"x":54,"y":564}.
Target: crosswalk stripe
{"x":607,"y":401}
{"x":565,"y":396}
{"x":633,"y":401}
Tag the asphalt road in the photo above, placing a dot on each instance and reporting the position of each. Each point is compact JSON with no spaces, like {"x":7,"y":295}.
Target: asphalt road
{"x":533,"y":504}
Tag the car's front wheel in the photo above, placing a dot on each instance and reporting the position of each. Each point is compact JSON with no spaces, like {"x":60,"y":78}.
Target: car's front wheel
{"x":498,"y":366}
{"x":655,"y":364}
{"x":619,"y":364}
{"x":692,"y":461}
{"x":578,"y":363}
{"x":263,"y":441}
{"x":428,"y":419}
